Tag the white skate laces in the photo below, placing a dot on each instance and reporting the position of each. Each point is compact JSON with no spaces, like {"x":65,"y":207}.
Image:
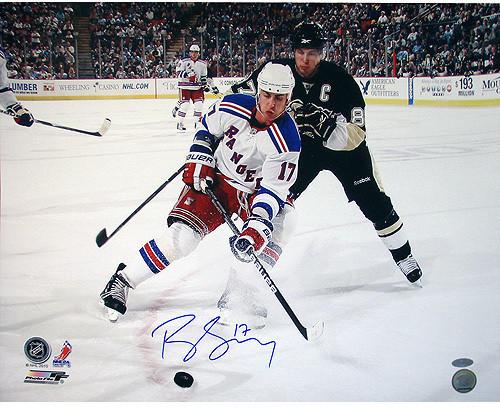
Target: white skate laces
{"x":410,"y":268}
{"x":114,"y":296}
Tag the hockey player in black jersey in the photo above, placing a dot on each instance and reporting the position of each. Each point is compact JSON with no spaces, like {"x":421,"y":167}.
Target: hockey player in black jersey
{"x":329,"y":110}
{"x":330,"y":113}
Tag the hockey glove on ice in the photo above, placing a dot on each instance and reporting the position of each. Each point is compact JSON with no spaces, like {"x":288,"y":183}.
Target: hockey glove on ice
{"x":315,"y":121}
{"x":199,"y":171}
{"x":22,"y":116}
{"x":254,"y":237}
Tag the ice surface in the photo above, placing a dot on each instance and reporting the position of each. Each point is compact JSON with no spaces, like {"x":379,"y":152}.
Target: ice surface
{"x":383,"y":341}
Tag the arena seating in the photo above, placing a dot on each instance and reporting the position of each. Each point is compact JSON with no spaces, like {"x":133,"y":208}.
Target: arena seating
{"x":38,"y":40}
{"x":128,"y":39}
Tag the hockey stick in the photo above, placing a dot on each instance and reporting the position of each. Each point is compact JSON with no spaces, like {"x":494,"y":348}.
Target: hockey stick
{"x":102,"y":130}
{"x":309,"y":333}
{"x":102,"y":237}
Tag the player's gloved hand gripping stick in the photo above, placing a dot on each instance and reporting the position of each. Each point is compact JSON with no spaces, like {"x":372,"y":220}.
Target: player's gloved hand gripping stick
{"x":309,"y":333}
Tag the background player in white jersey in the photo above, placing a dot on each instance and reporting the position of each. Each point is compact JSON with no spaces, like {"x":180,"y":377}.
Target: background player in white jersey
{"x":8,"y":99}
{"x":193,"y":82}
{"x":246,"y":150}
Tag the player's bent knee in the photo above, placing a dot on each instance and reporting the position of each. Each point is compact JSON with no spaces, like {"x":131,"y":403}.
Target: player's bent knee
{"x":373,"y":203}
{"x":179,"y":241}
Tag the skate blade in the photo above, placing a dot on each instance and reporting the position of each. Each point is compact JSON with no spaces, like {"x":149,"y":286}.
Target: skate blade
{"x":417,"y":284}
{"x":110,"y":314}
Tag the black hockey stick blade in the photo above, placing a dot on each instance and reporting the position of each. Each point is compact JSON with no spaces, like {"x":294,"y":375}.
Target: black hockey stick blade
{"x":101,"y":238}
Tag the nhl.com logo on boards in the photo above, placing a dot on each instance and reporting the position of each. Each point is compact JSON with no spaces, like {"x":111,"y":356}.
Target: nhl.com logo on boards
{"x":38,"y":351}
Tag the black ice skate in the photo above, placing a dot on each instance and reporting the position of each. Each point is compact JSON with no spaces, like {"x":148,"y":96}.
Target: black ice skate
{"x":181,"y":127}
{"x":411,"y":269}
{"x":114,"y":296}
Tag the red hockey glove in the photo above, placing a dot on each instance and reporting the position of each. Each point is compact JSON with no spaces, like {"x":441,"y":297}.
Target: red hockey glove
{"x":254,"y":237}
{"x":199,"y":171}
{"x":22,"y":116}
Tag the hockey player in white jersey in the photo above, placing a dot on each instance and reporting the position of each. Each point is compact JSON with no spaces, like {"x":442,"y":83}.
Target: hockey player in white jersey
{"x":8,"y":99}
{"x":246,"y":150}
{"x":193,"y":82}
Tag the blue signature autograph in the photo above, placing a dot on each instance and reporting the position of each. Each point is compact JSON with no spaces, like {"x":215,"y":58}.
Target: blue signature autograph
{"x":218,"y":351}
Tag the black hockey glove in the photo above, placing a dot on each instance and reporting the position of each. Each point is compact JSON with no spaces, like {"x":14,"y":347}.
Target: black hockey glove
{"x":209,"y":87}
{"x":22,"y":116}
{"x":315,"y":121}
{"x":213,"y":89}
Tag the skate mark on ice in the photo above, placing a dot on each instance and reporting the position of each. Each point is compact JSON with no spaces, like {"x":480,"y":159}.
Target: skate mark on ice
{"x":217,"y":352}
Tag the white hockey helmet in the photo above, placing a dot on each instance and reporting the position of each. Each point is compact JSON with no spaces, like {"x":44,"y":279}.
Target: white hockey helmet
{"x":194,"y":48}
{"x":276,"y":78}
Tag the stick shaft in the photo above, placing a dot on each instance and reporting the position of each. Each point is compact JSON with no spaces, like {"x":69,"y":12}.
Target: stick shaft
{"x":259,"y":267}
{"x":43,"y":122}
{"x":102,"y":238}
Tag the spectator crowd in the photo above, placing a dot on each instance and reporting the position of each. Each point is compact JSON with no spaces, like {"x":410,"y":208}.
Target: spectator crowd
{"x":38,"y":40}
{"x":129,"y":40}
{"x":145,"y":40}
{"x":366,"y":39}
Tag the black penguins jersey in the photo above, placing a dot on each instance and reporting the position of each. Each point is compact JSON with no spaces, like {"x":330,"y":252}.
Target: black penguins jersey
{"x":330,"y":92}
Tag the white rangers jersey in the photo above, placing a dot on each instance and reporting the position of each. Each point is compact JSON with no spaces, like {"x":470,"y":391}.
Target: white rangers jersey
{"x":7,"y":97}
{"x":263,"y":160}
{"x":192,"y":74}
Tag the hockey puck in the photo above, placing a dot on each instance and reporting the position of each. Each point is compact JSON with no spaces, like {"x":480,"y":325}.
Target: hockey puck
{"x":184,"y":380}
{"x":464,"y":380}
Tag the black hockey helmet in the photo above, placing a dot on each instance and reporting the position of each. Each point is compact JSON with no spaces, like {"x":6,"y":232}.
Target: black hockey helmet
{"x":308,"y":35}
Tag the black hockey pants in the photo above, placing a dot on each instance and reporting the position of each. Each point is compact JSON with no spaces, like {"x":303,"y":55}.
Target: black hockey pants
{"x":354,"y":169}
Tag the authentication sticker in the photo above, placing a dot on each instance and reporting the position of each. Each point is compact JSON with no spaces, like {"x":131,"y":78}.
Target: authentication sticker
{"x":464,"y":381}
